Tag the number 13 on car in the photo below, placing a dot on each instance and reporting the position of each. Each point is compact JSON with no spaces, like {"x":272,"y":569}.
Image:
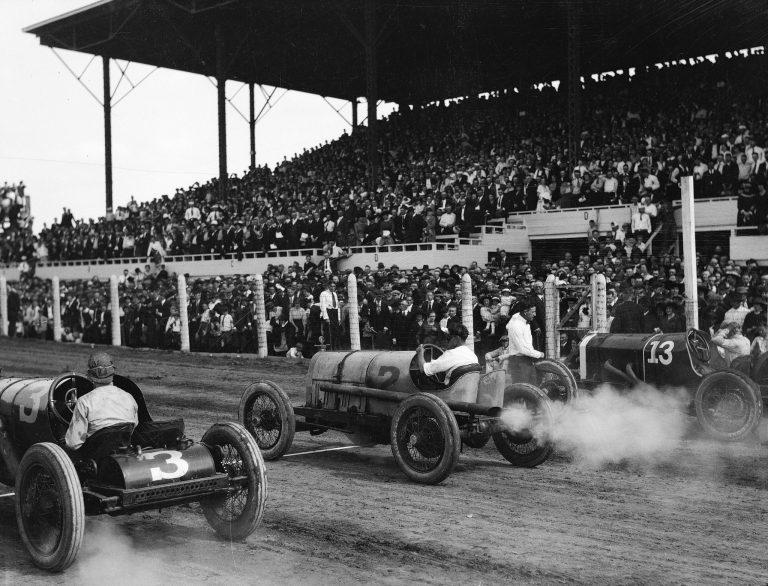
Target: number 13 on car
{"x":661,"y":352}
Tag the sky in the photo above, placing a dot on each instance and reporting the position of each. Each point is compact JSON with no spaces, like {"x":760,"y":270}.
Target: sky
{"x":164,"y":132}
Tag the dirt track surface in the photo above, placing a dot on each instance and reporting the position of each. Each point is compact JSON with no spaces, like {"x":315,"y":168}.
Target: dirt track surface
{"x":350,"y":516}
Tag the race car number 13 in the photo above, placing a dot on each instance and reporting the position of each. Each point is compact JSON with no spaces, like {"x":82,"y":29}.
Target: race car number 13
{"x":173,"y":459}
{"x":661,"y":352}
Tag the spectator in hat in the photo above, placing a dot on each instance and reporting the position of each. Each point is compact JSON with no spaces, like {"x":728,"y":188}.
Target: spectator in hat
{"x":755,"y":319}
{"x":760,"y":342}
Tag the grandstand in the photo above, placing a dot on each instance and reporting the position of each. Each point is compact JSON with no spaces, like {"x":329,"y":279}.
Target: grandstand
{"x":443,"y":183}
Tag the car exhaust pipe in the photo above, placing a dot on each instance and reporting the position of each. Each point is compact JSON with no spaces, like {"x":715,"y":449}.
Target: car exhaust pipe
{"x":615,"y":371}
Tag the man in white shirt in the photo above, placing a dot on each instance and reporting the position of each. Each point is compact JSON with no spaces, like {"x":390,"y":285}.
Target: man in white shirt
{"x":731,"y":342}
{"x":105,"y":406}
{"x":456,"y":355}
{"x":329,"y":310}
{"x":192,"y":212}
{"x":520,"y":354}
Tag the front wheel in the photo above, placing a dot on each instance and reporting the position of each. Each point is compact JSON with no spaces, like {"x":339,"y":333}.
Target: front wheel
{"x":728,"y":405}
{"x":49,"y":507}
{"x":266,"y":412}
{"x":527,"y":414}
{"x":425,"y":438}
{"x":235,"y":515}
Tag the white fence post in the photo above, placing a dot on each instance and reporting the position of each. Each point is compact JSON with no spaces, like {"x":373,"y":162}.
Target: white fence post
{"x":114,"y":303}
{"x":599,"y":305}
{"x":56,"y":310}
{"x":261,"y":317}
{"x":3,"y":307}
{"x":183,"y":313}
{"x":551,"y":318}
{"x":466,"y":310}
{"x":354,"y":313}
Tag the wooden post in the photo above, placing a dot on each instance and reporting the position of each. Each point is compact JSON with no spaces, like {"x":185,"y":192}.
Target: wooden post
{"x":599,"y":305}
{"x":56,"y":310}
{"x":261,"y":317}
{"x":689,"y":254}
{"x":551,"y":318}
{"x":354,"y":313}
{"x":183,"y":314}
{"x":114,"y":303}
{"x":466,"y":310}
{"x":3,"y":307}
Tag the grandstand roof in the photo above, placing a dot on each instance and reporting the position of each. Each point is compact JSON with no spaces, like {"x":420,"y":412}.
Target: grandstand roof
{"x":427,"y":49}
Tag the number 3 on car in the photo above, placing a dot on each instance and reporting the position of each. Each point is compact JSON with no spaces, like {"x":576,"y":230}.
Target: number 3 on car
{"x":173,"y":459}
{"x":661,"y":352}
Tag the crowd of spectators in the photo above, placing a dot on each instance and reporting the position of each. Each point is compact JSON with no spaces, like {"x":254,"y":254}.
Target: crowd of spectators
{"x":307,"y":309}
{"x":445,"y":169}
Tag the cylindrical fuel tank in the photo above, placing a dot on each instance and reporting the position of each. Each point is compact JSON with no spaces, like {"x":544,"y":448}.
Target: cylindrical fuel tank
{"x":377,"y":369}
{"x":156,"y":467}
{"x":24,"y":406}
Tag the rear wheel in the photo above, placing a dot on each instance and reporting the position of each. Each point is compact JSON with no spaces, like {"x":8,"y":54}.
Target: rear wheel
{"x":425,"y":438}
{"x":728,"y":405}
{"x":528,"y":416}
{"x":266,"y":412}
{"x":49,"y":507}
{"x":557,"y":381}
{"x":235,"y":515}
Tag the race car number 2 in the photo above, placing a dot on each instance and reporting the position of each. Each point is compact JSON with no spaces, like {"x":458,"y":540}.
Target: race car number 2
{"x":174,"y":466}
{"x":661,"y":352}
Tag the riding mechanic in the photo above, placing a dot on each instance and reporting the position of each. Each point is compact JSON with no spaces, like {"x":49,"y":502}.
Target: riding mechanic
{"x":106,"y":405}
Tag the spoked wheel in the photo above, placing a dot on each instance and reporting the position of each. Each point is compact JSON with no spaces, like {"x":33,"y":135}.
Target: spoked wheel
{"x":557,"y":381}
{"x":235,"y":515}
{"x":425,"y":438}
{"x":728,"y":405}
{"x":528,"y":416}
{"x":49,"y":507}
{"x":266,"y":412}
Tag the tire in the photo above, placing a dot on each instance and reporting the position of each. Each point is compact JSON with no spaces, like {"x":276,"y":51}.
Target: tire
{"x":728,"y":405}
{"x":743,"y":364}
{"x":266,"y":412}
{"x":760,"y":369}
{"x":49,"y":507}
{"x":557,"y":381}
{"x":527,"y":447}
{"x":425,"y":438}
{"x":236,"y":515}
{"x":477,"y":441}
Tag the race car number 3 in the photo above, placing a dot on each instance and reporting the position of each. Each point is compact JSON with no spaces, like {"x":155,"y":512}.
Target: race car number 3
{"x":661,"y":352}
{"x":174,"y":466}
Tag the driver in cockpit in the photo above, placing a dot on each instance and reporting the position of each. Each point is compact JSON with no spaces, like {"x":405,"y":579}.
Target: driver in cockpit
{"x":456,"y":354}
{"x":106,"y":405}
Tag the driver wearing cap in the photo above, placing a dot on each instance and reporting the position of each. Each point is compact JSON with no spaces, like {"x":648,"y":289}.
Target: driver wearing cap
{"x":106,"y":405}
{"x":455,"y":355}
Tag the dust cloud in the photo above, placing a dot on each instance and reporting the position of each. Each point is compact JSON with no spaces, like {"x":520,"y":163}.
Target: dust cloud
{"x":607,"y":426}
{"x":110,"y":557}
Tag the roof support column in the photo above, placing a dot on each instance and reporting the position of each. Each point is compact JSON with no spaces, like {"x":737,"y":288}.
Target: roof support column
{"x":221,"y":85}
{"x":354,"y":114}
{"x":371,"y":93}
{"x":574,"y":81}
{"x":252,"y":124}
{"x":107,"y":132}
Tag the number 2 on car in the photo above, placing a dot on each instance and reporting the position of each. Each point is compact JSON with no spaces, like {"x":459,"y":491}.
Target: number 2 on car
{"x":664,"y":354}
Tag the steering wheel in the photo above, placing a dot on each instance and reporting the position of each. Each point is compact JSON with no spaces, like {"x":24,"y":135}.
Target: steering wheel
{"x":63,"y":398}
{"x":432,"y":352}
{"x":698,"y":345}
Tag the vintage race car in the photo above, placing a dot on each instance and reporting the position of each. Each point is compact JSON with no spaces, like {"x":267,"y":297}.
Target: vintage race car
{"x":728,"y":402}
{"x":382,"y":397}
{"x":119,"y":470}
